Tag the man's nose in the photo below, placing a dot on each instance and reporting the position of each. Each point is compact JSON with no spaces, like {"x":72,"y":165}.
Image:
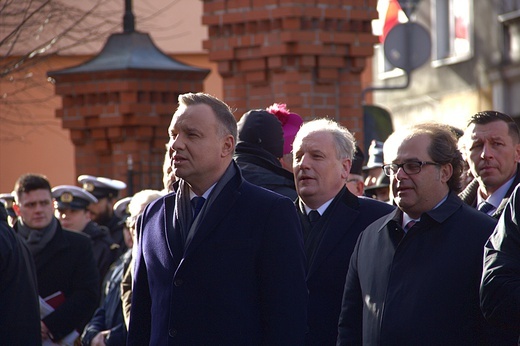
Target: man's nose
{"x":487,"y":152}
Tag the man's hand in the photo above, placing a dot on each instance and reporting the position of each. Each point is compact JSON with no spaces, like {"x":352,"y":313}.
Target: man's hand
{"x":44,"y":331}
{"x":99,"y":339}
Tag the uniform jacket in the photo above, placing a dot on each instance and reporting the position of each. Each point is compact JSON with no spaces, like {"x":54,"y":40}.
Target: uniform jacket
{"x":500,"y":290}
{"x":109,"y":316}
{"x":19,"y":306}
{"x":105,"y":250}
{"x":67,"y":265}
{"x":469,"y":194}
{"x":115,"y":226}
{"x":420,"y":287}
{"x":342,"y":222}
{"x":241,"y":280}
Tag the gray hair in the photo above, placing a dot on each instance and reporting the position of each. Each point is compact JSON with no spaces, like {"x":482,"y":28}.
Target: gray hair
{"x":344,"y":141}
{"x":139,"y":202}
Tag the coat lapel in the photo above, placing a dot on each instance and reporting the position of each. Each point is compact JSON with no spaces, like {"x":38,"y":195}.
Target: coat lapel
{"x":338,"y":223}
{"x":57,"y":244}
{"x":172,"y":234}
{"x":218,"y":210}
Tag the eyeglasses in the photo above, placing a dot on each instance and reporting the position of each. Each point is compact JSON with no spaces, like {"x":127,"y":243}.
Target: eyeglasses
{"x":410,"y":167}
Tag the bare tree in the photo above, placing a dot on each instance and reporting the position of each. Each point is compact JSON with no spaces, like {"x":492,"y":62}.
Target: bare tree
{"x":34,"y":31}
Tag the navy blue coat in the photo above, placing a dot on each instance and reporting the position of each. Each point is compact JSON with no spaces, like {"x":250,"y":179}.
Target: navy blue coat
{"x":342,"y":222}
{"x":67,"y":265}
{"x":109,"y":316}
{"x":500,"y":287}
{"x":421,"y":288}
{"x":241,"y":281}
{"x":19,"y":305}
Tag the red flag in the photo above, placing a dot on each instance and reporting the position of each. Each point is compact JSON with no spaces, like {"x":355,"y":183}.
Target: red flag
{"x":391,"y":18}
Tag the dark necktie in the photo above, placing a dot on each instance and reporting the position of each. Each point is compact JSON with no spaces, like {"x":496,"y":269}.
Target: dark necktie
{"x":314,"y":217}
{"x":485,"y":207}
{"x":197,"y":203}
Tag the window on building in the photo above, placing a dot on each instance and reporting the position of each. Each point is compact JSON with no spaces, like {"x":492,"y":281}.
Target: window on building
{"x":452,"y":26}
{"x":509,"y":16}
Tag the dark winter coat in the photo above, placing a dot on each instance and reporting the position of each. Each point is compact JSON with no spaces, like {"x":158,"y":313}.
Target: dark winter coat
{"x":261,"y":168}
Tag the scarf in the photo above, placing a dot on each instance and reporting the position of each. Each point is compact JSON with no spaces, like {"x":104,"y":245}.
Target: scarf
{"x":183,"y":213}
{"x":37,"y":239}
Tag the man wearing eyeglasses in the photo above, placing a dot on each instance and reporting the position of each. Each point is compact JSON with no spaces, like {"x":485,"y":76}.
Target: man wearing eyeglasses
{"x":492,"y":146}
{"x":414,"y":274}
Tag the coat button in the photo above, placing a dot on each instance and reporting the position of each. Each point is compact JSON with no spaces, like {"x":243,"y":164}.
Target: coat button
{"x":172,"y":332}
{"x":178,"y":282}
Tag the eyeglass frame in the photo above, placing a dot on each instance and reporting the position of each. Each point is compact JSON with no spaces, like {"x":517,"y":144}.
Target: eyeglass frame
{"x":394,"y":167}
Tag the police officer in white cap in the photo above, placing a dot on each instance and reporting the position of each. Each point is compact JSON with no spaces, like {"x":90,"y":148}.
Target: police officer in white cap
{"x":71,"y":203}
{"x":106,"y":190}
{"x":374,"y":169}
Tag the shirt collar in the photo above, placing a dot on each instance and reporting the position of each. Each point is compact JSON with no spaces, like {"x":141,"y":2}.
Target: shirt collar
{"x":496,"y":197}
{"x":407,"y":218}
{"x":321,"y":209}
{"x":205,"y":194}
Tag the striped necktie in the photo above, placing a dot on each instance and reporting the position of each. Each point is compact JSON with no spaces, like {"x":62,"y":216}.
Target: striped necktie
{"x":485,"y":207}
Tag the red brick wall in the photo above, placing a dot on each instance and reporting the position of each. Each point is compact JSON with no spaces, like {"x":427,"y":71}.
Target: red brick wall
{"x":308,"y":54}
{"x":120,"y":114}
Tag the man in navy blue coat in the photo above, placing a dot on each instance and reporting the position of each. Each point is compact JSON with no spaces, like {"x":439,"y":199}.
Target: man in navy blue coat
{"x":323,"y":152}
{"x":225,"y":270}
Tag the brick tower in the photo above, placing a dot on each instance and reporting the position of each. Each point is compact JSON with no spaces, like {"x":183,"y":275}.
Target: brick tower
{"x":307,"y":53}
{"x":118,"y":107}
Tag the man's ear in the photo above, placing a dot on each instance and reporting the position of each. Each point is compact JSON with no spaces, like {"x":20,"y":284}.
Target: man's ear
{"x":517,"y":152}
{"x":347,"y":165}
{"x":16,"y":209}
{"x":446,"y":172}
{"x":228,"y":145}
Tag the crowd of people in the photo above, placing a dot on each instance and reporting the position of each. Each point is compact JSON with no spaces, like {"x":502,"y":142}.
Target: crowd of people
{"x":275,"y":231}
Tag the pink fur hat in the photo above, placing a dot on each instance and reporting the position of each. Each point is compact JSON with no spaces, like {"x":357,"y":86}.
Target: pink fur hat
{"x":291,"y":123}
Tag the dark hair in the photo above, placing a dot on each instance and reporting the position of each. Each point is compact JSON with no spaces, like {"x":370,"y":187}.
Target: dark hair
{"x":443,"y":149}
{"x":487,"y":117}
{"x":30,"y":182}
{"x":222,"y":111}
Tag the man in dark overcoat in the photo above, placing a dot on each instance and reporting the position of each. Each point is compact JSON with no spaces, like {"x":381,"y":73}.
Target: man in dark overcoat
{"x":323,"y":152}
{"x":65,"y":268}
{"x":220,"y":261}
